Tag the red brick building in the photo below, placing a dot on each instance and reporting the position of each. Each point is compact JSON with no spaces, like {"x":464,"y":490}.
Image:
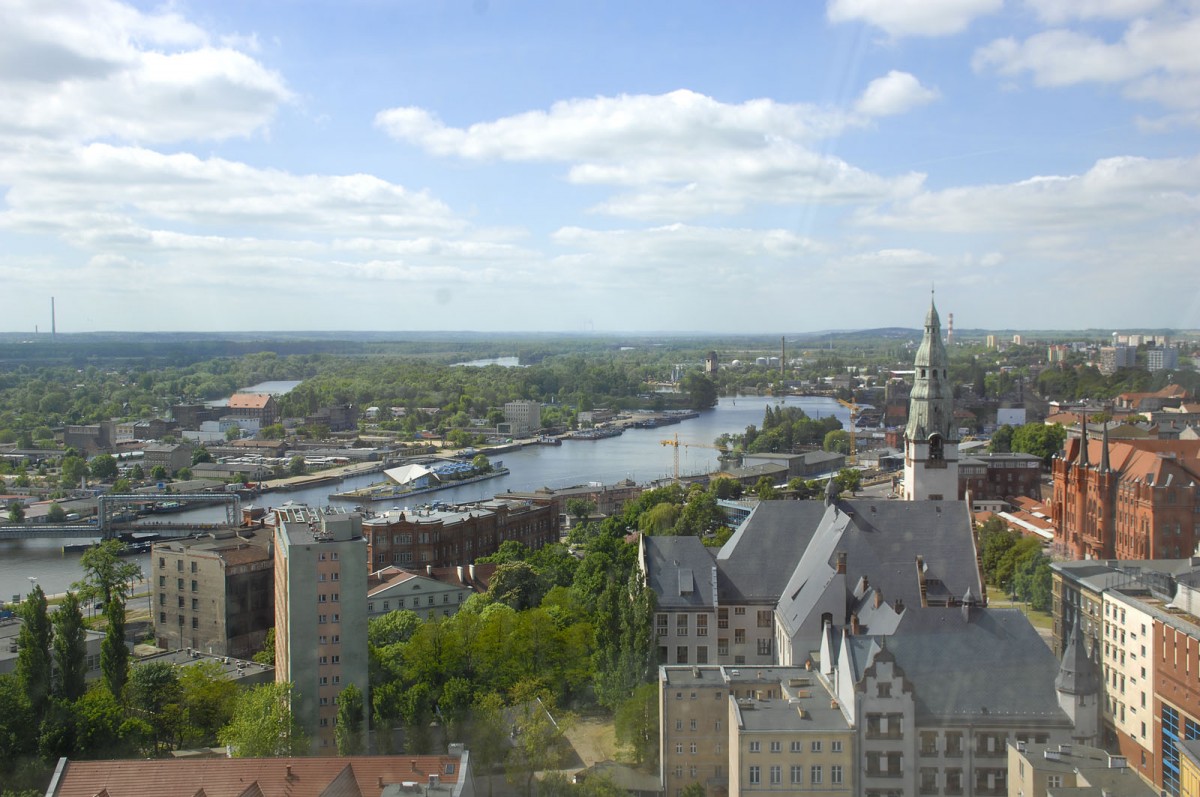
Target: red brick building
{"x":444,"y":538}
{"x":1132,"y":499}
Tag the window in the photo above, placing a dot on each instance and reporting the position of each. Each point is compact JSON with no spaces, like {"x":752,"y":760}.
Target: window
{"x":162,"y":581}
{"x":835,"y":774}
{"x":754,"y":775}
{"x":814,"y":775}
{"x":755,"y":747}
{"x":195,"y":604}
{"x":764,"y":647}
{"x":193,"y":567}
{"x":179,"y":581}
{"x":836,"y":746}
{"x":739,"y":636}
{"x":722,"y":618}
{"x":681,"y":625}
{"x":702,"y":654}
{"x":776,"y":747}
{"x":702,"y":625}
{"x":816,"y":748}
{"x":1054,"y":781}
{"x":679,"y":725}
{"x":179,"y":565}
{"x":679,"y":748}
{"x":797,"y":774}
{"x":162,"y":562}
{"x":162,"y":617}
{"x":195,"y":622}
{"x":764,"y":619}
{"x":194,"y":585}
{"x":775,"y":774}
{"x":681,"y":654}
{"x":796,"y":748}
{"x":321,"y":618}
{"x":692,"y":748}
{"x":693,"y":724}
{"x":738,"y":611}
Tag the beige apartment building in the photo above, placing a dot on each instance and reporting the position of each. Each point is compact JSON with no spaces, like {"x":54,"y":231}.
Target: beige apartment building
{"x":321,"y":613}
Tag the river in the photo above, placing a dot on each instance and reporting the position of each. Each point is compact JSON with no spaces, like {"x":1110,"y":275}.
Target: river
{"x":638,"y":455}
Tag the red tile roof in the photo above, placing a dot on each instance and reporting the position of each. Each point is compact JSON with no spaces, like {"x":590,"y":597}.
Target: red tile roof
{"x":253,"y":401}
{"x":238,"y":777}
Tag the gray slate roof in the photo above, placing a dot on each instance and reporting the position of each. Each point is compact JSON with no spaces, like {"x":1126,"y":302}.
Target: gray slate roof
{"x":680,"y":572}
{"x":994,"y":664}
{"x":759,"y":558}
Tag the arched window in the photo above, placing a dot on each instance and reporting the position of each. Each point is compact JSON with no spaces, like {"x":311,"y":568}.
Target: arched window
{"x":935,"y":447}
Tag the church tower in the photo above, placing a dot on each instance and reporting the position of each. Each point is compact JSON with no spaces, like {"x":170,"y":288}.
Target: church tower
{"x":931,"y":438}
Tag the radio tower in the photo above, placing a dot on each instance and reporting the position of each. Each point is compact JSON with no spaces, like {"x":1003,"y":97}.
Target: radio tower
{"x":950,"y":329}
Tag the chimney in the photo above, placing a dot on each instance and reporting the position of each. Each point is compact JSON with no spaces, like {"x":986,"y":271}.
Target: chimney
{"x":429,"y":570}
{"x":855,"y":628}
{"x":841,"y":563}
{"x":471,"y":570}
{"x":461,"y":572}
{"x":878,"y":597}
{"x":289,"y":771}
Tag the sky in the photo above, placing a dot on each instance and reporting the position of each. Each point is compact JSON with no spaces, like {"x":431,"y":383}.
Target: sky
{"x":673,"y":166}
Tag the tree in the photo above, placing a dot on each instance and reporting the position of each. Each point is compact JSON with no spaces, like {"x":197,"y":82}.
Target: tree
{"x":107,"y":576}
{"x":1039,"y":439}
{"x":1001,"y":442}
{"x":296,"y":466}
{"x":701,"y":391}
{"x":33,"y":650}
{"x":392,"y":628}
{"x":114,"y":656}
{"x":580,"y":509}
{"x":848,"y":480}
{"x":103,"y":467}
{"x":537,"y":744}
{"x":267,"y":654}
{"x":74,"y":471}
{"x":636,"y":724}
{"x":348,"y":729}
{"x":154,"y":698}
{"x":16,"y":512}
{"x":136,"y":473}
{"x":487,"y":734}
{"x":837,"y":440}
{"x":158,"y":473}
{"x":200,"y":454}
{"x":263,"y":725}
{"x":517,"y":585}
{"x":764,"y":489}
{"x":481,"y":463}
{"x":70,"y":650}
{"x":55,"y":513}
{"x":207,"y":699}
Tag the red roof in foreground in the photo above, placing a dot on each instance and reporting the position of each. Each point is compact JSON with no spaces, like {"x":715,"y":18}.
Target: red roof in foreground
{"x":234,"y":777}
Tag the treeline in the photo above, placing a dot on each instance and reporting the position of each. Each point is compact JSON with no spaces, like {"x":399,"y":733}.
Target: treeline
{"x":784,"y":430}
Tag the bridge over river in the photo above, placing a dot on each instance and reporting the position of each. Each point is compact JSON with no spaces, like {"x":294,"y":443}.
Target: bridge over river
{"x":111,"y":507}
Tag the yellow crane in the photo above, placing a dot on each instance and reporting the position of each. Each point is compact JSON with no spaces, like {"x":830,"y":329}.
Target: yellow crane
{"x":675,"y":445}
{"x":852,"y":459}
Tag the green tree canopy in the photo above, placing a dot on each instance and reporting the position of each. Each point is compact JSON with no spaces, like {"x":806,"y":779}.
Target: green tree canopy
{"x":348,"y":730}
{"x":70,"y":649}
{"x":33,"y":650}
{"x":263,"y":725}
{"x":103,"y":467}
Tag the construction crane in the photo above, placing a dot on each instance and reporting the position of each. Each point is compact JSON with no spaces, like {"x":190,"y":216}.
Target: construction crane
{"x":852,"y":459}
{"x":675,"y":445}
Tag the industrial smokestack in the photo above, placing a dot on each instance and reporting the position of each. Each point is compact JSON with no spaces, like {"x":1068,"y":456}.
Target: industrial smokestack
{"x":53,"y":326}
{"x":950,"y":330}
{"x":782,"y":354}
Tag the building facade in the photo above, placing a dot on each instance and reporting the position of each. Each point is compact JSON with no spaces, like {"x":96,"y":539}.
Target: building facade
{"x":524,"y":416}
{"x":1128,"y":499}
{"x":213,"y":595}
{"x":321,"y":614}
{"x":457,"y":535}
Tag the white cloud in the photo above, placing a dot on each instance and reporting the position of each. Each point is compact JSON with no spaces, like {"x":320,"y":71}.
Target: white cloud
{"x":1155,"y":59}
{"x":684,"y":154}
{"x":1116,"y":196}
{"x":79,"y":70}
{"x":894,"y":93}
{"x":1058,"y":11}
{"x":913,"y":17}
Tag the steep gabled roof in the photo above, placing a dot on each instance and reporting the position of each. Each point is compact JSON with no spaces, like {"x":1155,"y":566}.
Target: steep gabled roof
{"x":996,"y":665}
{"x":759,"y":558}
{"x":680,"y":572}
{"x":249,"y":401}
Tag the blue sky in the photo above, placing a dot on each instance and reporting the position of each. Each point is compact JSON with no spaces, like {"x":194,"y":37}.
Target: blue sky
{"x":577,"y":167}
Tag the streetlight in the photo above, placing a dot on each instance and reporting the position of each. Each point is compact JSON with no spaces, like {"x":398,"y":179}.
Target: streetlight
{"x":32,"y":582}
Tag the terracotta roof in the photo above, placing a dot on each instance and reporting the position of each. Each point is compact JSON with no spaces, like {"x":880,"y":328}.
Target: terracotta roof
{"x":253,"y":401}
{"x":235,"y":777}
{"x":1142,"y":459}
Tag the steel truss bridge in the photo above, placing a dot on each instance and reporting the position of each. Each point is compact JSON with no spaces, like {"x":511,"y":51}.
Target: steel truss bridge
{"x":109,"y":509}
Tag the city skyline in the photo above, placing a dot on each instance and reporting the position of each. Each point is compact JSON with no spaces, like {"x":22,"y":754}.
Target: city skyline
{"x":494,"y":166}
